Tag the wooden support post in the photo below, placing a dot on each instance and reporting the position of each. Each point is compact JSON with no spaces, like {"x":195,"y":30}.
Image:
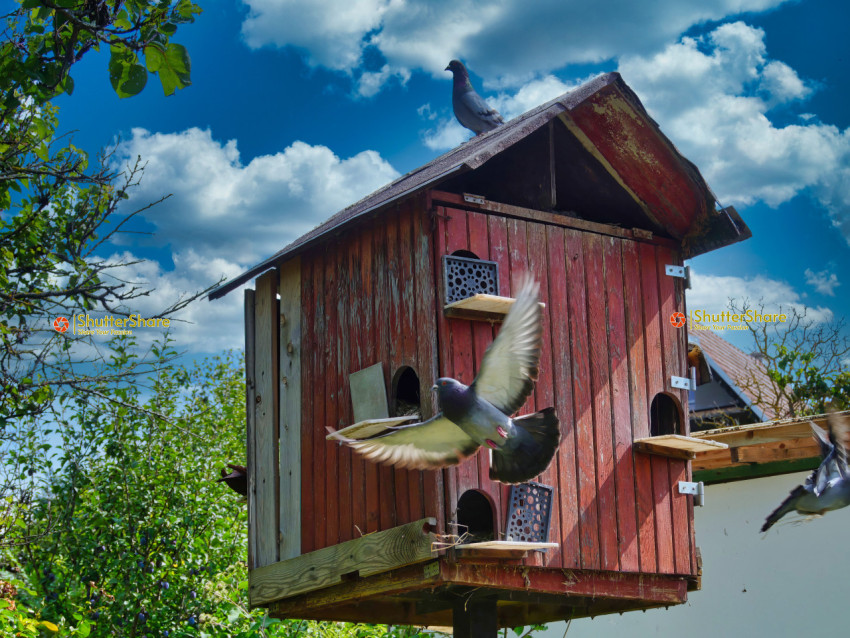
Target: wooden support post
{"x":475,"y":618}
{"x":250,"y":426}
{"x":290,"y":409}
{"x":264,"y":469}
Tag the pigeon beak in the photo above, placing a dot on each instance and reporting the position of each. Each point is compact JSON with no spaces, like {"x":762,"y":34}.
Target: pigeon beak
{"x":434,"y":388}
{"x":448,"y":68}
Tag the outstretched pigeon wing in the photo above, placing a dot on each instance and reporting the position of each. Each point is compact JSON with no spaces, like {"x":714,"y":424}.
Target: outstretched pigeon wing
{"x":431,"y":444}
{"x":510,"y":365}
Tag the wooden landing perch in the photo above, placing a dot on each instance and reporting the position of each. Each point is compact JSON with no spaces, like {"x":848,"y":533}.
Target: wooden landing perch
{"x":371,"y":554}
{"x":676,"y":446}
{"x":481,"y":307}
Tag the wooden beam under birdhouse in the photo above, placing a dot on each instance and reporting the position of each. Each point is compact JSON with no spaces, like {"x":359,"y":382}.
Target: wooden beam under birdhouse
{"x":364,"y":556}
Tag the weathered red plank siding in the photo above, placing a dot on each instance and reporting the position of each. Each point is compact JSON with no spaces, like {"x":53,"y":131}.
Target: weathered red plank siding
{"x":674,"y":364}
{"x":426,"y":351}
{"x":319,"y":388}
{"x":569,"y":553}
{"x":545,"y":390}
{"x":655,"y":384}
{"x":601,"y":388}
{"x":308,"y":393}
{"x":376,"y":295}
{"x":333,"y":282}
{"x":635,"y":338}
{"x":583,"y":401}
{"x":620,"y":405}
{"x":410,"y":327}
{"x":360,"y":306}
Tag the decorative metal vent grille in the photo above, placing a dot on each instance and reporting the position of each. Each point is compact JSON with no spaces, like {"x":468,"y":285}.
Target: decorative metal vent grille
{"x":466,"y":277}
{"x":529,"y":511}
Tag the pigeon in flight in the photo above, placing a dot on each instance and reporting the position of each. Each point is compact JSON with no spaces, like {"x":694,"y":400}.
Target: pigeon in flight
{"x":828,"y":487}
{"x":479,"y":414}
{"x":470,"y":110}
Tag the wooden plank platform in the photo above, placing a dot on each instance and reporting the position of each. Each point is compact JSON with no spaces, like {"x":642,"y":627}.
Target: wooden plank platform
{"x":481,"y":307}
{"x":370,"y":554}
{"x":676,"y":446}
{"x":423,"y":594}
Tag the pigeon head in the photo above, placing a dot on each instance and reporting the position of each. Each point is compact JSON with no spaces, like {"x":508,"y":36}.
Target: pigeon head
{"x":459,"y":71}
{"x":454,"y":397}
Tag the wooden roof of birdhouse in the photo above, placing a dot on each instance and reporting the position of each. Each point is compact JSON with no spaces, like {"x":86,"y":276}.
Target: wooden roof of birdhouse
{"x":592,"y":153}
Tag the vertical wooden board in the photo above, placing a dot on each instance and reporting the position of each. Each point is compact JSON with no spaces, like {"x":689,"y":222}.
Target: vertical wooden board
{"x":482,"y":337}
{"x":517,"y":253}
{"x":342,"y":408}
{"x":416,"y":508}
{"x":396,"y":344}
{"x":290,"y":409}
{"x":265,"y":411}
{"x":539,"y":267}
{"x":621,"y":406}
{"x":334,"y":378}
{"x":655,"y":384}
{"x":566,"y":492}
{"x":600,"y":384}
{"x":250,"y":428}
{"x":663,"y":514}
{"x":445,"y":363}
{"x":674,"y":364}
{"x":367,"y":336}
{"x":426,"y":345}
{"x":582,"y":401}
{"x":320,"y":372}
{"x":499,"y":252}
{"x":639,"y":407}
{"x":308,"y":394}
{"x":462,"y":352}
{"x":353,"y":293}
{"x":386,"y":474}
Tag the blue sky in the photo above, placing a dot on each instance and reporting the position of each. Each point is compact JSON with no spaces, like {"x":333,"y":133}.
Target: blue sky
{"x":300,"y":108}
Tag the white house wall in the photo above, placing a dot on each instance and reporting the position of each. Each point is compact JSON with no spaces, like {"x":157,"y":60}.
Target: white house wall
{"x":792,"y":581}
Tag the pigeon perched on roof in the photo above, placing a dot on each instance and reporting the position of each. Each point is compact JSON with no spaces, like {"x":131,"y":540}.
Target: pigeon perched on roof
{"x":237,"y":479}
{"x":470,"y":110}
{"x":479,"y":414}
{"x":828,"y":487}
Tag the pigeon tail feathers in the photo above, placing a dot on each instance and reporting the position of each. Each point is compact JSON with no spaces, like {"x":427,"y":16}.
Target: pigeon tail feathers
{"x":788,"y":505}
{"x":529,"y":450}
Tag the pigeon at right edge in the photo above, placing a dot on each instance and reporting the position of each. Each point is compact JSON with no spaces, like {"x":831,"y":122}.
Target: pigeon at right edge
{"x":828,"y":487}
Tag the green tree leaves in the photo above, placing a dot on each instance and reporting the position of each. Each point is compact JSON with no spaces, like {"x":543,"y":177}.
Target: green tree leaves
{"x":172,"y":64}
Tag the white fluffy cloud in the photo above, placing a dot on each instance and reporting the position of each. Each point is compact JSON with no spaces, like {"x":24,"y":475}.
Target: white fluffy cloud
{"x":713,"y":98}
{"x":824,"y":282}
{"x":224,"y":217}
{"x":242,"y":213}
{"x":712,"y":294}
{"x":506,"y":42}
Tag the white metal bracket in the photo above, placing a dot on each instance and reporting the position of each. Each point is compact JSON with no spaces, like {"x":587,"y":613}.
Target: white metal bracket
{"x":473,"y":199}
{"x":682,"y":272}
{"x":695,"y":489}
{"x":682,"y":383}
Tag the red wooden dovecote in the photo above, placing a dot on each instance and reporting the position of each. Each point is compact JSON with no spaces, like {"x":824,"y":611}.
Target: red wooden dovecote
{"x":586,"y":193}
